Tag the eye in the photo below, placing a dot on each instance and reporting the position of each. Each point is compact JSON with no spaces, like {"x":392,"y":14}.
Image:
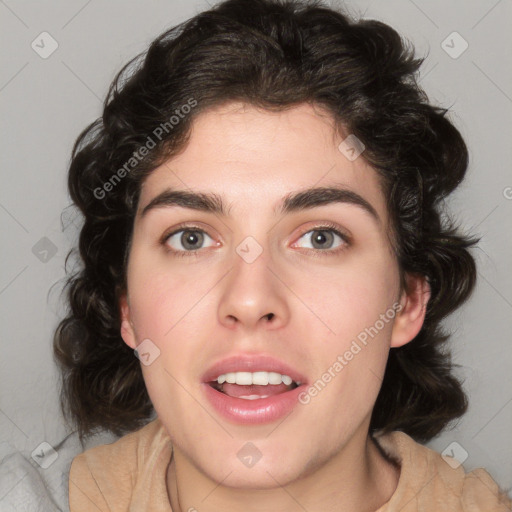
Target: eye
{"x":323,"y":238}
{"x":186,"y":241}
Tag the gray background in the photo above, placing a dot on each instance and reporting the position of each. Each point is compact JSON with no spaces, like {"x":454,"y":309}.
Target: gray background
{"x":46,"y":103}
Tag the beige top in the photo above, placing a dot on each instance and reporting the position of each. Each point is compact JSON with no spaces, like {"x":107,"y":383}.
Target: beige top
{"x":130,"y":475}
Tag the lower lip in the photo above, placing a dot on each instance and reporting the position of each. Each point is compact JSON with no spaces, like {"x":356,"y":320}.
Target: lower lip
{"x":253,"y":412}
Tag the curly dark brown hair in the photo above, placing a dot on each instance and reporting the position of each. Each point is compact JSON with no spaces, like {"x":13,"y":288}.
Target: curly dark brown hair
{"x":273,"y":55}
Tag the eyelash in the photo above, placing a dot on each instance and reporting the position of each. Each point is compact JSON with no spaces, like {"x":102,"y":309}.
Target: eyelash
{"x":324,"y":227}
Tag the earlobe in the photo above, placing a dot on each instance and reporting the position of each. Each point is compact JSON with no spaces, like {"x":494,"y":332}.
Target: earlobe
{"x":409,"y":320}
{"x":127,"y":331}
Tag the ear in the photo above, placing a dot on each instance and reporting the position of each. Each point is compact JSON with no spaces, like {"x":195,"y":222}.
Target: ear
{"x":127,"y":330}
{"x":410,"y":317}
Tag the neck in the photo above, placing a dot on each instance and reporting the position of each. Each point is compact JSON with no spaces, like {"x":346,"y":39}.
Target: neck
{"x":356,"y":479}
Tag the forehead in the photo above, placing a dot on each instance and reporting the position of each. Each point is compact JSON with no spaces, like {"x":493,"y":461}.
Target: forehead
{"x":252,"y":158}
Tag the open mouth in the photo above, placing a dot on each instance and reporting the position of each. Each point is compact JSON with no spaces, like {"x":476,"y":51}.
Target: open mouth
{"x":253,"y":385}
{"x":252,"y":389}
{"x":252,"y":397}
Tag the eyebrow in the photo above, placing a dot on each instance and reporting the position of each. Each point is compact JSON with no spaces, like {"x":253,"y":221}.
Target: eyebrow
{"x":296,"y":201}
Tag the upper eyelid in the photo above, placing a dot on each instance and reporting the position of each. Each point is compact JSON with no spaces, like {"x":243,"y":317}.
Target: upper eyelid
{"x":187,"y":227}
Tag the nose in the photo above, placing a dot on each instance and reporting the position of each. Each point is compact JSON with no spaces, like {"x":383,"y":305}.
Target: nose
{"x":253,"y":295}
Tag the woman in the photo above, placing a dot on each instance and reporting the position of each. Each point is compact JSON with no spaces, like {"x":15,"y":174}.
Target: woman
{"x":263,"y":231}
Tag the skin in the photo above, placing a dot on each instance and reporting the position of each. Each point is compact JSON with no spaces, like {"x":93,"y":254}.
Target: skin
{"x":198,"y":309}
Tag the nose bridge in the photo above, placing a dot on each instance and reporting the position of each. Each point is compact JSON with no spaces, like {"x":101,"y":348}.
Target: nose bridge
{"x":251,"y":291}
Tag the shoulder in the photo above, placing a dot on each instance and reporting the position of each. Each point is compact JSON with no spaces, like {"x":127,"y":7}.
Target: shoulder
{"x":480,"y":490}
{"x":430,"y":481}
{"x":117,"y":473}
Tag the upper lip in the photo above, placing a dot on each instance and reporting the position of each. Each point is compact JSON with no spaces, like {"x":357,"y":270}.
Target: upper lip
{"x":251,"y":363}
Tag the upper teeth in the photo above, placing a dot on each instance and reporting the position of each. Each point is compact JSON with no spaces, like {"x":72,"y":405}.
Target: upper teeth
{"x":260,"y":378}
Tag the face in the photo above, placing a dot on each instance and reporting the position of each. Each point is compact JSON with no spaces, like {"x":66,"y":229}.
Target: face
{"x":271,"y":285}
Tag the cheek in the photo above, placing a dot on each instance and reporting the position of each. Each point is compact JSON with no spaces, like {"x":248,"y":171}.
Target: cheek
{"x":162,"y":296}
{"x":355,"y":306}
{"x":350,"y":297}
{"x":165,"y":307}
{"x":169,"y":306}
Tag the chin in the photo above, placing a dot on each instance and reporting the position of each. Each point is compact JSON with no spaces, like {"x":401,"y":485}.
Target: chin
{"x":259,"y":477}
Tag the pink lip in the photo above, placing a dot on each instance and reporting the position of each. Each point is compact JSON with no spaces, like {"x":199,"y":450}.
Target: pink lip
{"x":262,"y":410}
{"x":251,"y":363}
{"x":253,"y":412}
